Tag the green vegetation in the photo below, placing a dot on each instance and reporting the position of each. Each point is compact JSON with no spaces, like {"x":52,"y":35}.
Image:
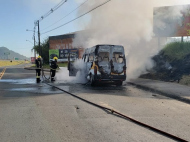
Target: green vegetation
{"x":176,"y":54}
{"x":45,"y":50}
{"x":176,"y":50}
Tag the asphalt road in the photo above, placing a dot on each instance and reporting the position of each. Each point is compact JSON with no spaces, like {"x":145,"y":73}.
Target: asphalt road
{"x":37,"y":112}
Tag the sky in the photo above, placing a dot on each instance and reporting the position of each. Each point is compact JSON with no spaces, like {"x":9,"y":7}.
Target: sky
{"x":19,"y":15}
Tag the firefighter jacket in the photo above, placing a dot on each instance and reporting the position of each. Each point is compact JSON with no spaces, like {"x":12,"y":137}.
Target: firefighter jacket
{"x":54,"y":65}
{"x":38,"y":63}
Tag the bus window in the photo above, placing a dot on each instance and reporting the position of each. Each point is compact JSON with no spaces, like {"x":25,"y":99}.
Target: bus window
{"x":117,"y":57}
{"x":103,"y":56}
{"x":91,"y":58}
{"x":86,"y":58}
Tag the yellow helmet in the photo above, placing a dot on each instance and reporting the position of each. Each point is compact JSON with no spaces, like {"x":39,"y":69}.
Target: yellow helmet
{"x":55,"y":58}
{"x":39,"y":57}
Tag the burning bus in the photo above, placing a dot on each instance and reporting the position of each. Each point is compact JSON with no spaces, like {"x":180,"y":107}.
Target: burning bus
{"x":103,"y":64}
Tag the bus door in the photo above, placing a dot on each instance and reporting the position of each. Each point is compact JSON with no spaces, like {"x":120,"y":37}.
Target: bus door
{"x":72,"y":70}
{"x":88,"y":64}
{"x":104,"y":59}
{"x":118,"y":60}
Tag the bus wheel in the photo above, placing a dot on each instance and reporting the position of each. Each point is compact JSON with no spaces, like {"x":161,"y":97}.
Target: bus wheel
{"x":92,"y":82}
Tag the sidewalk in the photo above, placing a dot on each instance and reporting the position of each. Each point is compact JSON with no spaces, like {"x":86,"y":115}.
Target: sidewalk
{"x":172,"y":90}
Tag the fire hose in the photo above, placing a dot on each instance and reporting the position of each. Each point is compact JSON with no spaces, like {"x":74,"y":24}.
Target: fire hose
{"x":171,"y":136}
{"x":43,"y":75}
{"x":43,"y":70}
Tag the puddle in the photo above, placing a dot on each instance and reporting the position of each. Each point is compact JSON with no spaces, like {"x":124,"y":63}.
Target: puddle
{"x":66,"y":88}
{"x":43,"y":89}
{"x":19,"y":81}
{"x":40,"y":90}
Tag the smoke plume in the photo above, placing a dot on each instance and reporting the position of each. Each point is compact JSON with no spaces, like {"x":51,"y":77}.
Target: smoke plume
{"x":123,"y":22}
{"x":63,"y":74}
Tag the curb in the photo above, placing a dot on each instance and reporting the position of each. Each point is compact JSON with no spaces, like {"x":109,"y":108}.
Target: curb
{"x":179,"y":98}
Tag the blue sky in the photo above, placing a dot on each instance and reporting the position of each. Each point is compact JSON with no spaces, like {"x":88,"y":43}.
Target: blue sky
{"x":19,"y":15}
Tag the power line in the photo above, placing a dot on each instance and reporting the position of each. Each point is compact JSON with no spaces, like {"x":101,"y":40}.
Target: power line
{"x":36,"y":23}
{"x":78,"y":17}
{"x":65,"y":15}
{"x":51,"y":11}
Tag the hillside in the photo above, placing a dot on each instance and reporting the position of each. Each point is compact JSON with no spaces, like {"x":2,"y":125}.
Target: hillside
{"x":172,"y":64}
{"x":13,"y":55}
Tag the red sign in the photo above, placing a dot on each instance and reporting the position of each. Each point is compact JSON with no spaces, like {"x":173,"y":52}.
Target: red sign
{"x":33,"y":59}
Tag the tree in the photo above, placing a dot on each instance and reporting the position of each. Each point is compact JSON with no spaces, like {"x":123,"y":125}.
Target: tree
{"x":45,"y":50}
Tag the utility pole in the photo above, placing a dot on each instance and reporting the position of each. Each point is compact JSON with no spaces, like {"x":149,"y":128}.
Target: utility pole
{"x":40,"y":49}
{"x":34,"y":46}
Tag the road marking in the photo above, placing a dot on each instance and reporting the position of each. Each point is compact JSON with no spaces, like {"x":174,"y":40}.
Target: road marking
{"x":2,"y":73}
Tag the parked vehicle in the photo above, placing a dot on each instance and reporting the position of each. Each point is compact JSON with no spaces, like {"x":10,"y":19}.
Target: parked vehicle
{"x":103,"y":64}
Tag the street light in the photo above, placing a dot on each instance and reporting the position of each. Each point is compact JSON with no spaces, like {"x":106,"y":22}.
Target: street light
{"x":29,"y":41}
{"x":40,"y":48}
{"x":32,"y":43}
{"x":34,"y":40}
{"x":30,"y":30}
{"x":33,"y":48}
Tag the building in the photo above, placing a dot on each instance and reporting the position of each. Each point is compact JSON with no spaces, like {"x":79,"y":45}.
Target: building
{"x":61,"y":45}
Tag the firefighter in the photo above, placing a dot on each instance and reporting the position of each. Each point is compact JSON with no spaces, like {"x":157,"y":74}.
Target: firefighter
{"x":38,"y":63}
{"x":53,"y":66}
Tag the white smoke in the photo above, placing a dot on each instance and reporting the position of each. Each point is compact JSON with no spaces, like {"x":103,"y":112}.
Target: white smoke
{"x":123,"y":22}
{"x":63,"y":76}
{"x":167,"y":13}
{"x":63,"y":73}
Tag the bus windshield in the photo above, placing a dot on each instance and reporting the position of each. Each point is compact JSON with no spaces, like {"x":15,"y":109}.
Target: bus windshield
{"x":118,"y":57}
{"x":103,"y":56}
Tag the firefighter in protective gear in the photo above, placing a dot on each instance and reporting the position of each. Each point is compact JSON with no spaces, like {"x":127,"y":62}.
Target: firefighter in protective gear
{"x":38,"y":63}
{"x":53,"y":66}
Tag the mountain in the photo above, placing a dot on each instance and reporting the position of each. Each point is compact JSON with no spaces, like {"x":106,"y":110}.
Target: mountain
{"x":12,"y":55}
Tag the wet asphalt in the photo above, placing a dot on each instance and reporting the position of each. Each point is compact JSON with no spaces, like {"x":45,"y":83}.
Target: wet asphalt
{"x":39,"y":112}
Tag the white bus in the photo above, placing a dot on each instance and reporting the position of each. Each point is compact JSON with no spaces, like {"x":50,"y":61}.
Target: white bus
{"x":103,"y":64}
